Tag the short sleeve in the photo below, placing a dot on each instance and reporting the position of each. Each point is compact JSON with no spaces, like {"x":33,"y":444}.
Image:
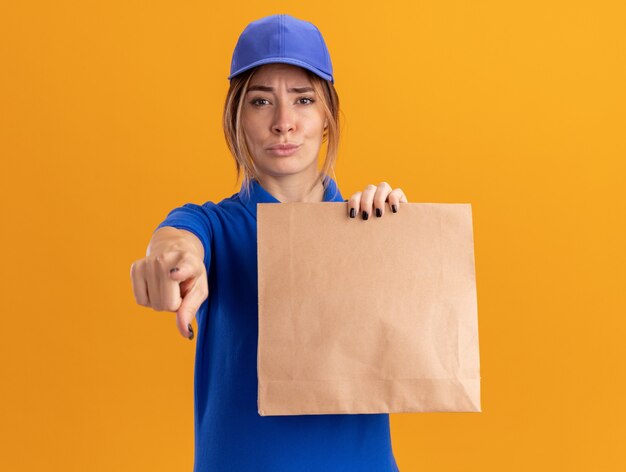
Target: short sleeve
{"x":193,"y":218}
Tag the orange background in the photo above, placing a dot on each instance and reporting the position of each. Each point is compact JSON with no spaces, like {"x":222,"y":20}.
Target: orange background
{"x":110,"y":116}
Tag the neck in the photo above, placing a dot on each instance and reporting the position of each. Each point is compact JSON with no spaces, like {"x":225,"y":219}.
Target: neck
{"x":294,"y":188}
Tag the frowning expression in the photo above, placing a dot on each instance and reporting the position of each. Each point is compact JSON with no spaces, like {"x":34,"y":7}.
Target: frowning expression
{"x":283,"y":120}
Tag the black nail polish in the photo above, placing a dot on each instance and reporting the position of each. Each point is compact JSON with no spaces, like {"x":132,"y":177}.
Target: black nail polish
{"x":379,"y":213}
{"x":352,"y":212}
{"x":394,"y":208}
{"x":191,"y":331}
{"x":365,"y":215}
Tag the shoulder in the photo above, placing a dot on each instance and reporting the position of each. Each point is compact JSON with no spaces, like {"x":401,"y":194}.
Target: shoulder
{"x":209,"y":214}
{"x":211,"y":208}
{"x":222,"y":208}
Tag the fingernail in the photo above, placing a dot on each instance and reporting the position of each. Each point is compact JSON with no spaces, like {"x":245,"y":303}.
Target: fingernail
{"x":379,"y":213}
{"x":191,"y":331}
{"x":394,"y":208}
{"x":174,"y":269}
{"x":365,"y":215}
{"x":352,"y":212}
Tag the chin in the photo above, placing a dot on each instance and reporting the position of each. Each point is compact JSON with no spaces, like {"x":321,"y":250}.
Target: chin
{"x":286,"y":166}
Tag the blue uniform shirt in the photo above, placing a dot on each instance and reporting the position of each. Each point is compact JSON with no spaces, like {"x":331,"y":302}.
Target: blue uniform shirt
{"x":230,"y":435}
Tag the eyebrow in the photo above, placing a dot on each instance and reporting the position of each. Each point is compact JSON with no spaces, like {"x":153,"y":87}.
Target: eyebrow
{"x":265,"y":88}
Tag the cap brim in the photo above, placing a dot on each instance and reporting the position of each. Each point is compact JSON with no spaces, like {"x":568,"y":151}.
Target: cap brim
{"x":283,"y":60}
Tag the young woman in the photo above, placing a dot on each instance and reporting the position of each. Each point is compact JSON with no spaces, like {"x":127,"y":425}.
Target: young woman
{"x":202,"y":259}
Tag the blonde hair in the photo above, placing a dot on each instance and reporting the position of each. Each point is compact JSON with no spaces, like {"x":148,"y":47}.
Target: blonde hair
{"x":234,"y":133}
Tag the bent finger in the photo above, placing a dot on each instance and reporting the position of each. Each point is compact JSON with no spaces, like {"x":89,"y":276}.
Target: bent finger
{"x":152,"y":282}
{"x":169,"y":289}
{"x":353,"y":204}
{"x":140,"y":289}
{"x":395,"y":197}
{"x":380,"y":197}
{"x":367,"y":200}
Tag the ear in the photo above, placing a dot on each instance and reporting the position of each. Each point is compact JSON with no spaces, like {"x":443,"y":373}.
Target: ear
{"x":325,"y":124}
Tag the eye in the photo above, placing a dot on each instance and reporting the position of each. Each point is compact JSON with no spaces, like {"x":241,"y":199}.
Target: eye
{"x":256,"y":100}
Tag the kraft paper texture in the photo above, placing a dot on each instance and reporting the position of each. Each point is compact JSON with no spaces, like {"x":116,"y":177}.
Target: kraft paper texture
{"x":366,"y":316}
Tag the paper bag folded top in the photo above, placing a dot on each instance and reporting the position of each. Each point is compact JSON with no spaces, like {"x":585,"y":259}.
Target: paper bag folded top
{"x":366,"y":316}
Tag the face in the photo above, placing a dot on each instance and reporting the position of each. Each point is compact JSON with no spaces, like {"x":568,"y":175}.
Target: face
{"x":281,"y":107}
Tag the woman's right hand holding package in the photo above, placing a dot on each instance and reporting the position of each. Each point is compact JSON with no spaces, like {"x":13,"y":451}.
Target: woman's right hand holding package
{"x":172,"y":276}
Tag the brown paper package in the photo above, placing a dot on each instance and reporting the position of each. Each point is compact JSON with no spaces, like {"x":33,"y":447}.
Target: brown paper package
{"x":366,"y":316}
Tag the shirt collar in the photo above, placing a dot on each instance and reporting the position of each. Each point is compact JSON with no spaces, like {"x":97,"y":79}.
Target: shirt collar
{"x":259,"y":195}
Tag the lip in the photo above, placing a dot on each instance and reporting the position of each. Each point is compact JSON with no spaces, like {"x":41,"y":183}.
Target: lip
{"x":286,"y":149}
{"x":284,"y":146}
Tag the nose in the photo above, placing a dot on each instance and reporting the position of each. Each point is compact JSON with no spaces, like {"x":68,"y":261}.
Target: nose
{"x":283,"y":118}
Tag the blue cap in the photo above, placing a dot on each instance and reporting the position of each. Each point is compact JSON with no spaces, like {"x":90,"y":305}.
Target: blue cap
{"x":282,"y":38}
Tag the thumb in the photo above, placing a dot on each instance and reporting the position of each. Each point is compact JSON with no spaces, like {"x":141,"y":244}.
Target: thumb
{"x":183,"y":270}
